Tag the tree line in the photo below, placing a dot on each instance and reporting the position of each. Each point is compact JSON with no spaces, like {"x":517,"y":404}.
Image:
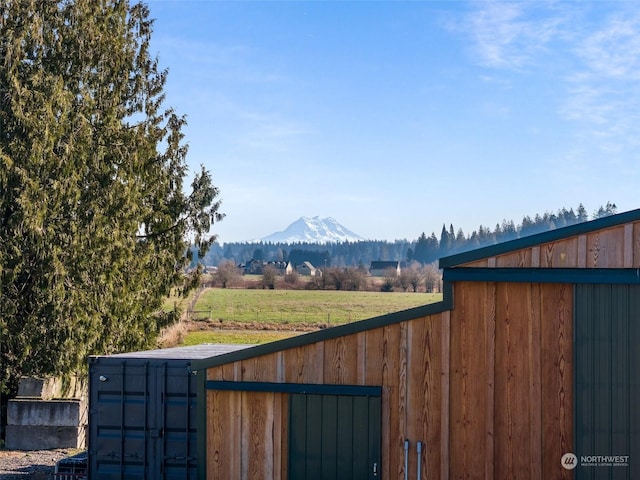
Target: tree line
{"x":413,"y":277}
{"x":425,"y":250}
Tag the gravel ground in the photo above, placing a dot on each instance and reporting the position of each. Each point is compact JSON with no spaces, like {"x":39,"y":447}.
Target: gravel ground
{"x":31,"y":465}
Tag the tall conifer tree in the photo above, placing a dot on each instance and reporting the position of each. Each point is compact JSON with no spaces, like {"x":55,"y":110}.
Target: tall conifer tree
{"x":94,"y":217}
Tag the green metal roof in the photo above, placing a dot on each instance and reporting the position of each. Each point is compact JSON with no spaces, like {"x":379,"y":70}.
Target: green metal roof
{"x":540,"y":238}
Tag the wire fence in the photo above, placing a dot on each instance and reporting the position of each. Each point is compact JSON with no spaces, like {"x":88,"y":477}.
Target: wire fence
{"x":281,"y":317}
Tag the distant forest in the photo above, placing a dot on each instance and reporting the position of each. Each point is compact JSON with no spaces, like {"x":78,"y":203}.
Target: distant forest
{"x":425,"y":249}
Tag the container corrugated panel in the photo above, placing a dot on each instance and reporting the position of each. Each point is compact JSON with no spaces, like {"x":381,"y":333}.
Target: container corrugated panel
{"x":142,"y":413}
{"x":607,"y":384}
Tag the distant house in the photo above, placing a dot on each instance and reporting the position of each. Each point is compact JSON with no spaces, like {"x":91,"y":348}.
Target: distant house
{"x":379,"y":268}
{"x":307,"y":269}
{"x":256,"y":267}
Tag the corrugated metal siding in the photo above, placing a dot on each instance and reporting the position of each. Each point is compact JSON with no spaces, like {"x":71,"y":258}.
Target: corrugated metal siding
{"x":143,"y":420}
{"x":607,"y":377}
{"x":143,"y":415}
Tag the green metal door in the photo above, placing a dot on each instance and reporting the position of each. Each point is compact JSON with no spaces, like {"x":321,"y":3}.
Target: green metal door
{"x":607,"y":381}
{"x":334,"y":437}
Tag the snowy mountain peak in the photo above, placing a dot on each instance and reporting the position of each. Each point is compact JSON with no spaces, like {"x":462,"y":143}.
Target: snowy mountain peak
{"x":313,"y":230}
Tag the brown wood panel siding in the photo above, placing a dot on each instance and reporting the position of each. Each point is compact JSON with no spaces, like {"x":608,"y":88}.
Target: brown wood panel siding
{"x":470,"y":446}
{"x":582,"y":251}
{"x":615,"y":247}
{"x":261,"y":369}
{"x":556,"y":345}
{"x":400,"y":399}
{"x":517,"y":259}
{"x":606,"y":248}
{"x":489,"y":382}
{"x":224,"y":434}
{"x":510,"y":380}
{"x":374,"y":365}
{"x":283,"y":419}
{"x":445,"y":399}
{"x":301,"y":364}
{"x":361,"y":355}
{"x":393,"y":409}
{"x":628,"y":246}
{"x":484,"y":263}
{"x":340,"y":361}
{"x":424,"y":399}
{"x":535,"y":257}
{"x":257,"y":435}
{"x":561,"y":254}
{"x":215,"y":373}
{"x":636,"y":245}
{"x":487,"y":387}
{"x":245,"y":432}
{"x":535,"y":390}
{"x":513,"y":434}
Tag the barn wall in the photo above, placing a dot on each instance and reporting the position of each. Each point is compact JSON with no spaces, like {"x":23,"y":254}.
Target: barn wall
{"x":511,"y":380}
{"x":487,"y":387}
{"x":617,"y":247}
{"x":409,"y":360}
{"x":246,"y":435}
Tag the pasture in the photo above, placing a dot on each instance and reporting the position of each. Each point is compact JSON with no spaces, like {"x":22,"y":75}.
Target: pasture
{"x":256,"y":316}
{"x":302,"y":306}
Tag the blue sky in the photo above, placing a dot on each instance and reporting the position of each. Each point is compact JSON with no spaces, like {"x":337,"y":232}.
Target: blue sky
{"x":395,"y":117}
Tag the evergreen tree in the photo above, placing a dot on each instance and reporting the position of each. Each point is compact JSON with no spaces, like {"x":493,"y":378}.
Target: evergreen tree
{"x":445,"y":241}
{"x":94,"y":217}
{"x":609,"y":209}
{"x":581,"y":214}
{"x":421,"y":251}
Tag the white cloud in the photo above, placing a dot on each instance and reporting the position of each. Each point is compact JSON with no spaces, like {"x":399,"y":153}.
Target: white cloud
{"x":613,"y":51}
{"x":511,"y":35}
{"x":589,"y":51}
{"x":604,"y":93}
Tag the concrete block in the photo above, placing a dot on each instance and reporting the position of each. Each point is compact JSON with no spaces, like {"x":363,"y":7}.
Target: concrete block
{"x":52,"y":387}
{"x":50,"y":413}
{"x":28,"y":437}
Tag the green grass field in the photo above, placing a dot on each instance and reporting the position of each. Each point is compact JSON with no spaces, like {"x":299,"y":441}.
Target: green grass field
{"x":286,"y":308}
{"x":303,"y":306}
{"x":243,"y":337}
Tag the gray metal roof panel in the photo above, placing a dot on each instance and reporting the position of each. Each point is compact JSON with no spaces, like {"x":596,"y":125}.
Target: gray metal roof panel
{"x":192,"y":352}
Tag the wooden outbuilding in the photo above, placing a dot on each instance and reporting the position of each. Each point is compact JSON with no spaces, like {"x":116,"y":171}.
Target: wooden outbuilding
{"x":528,"y":369}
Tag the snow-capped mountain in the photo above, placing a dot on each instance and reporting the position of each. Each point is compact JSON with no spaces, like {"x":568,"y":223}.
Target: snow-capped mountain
{"x":313,"y":230}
